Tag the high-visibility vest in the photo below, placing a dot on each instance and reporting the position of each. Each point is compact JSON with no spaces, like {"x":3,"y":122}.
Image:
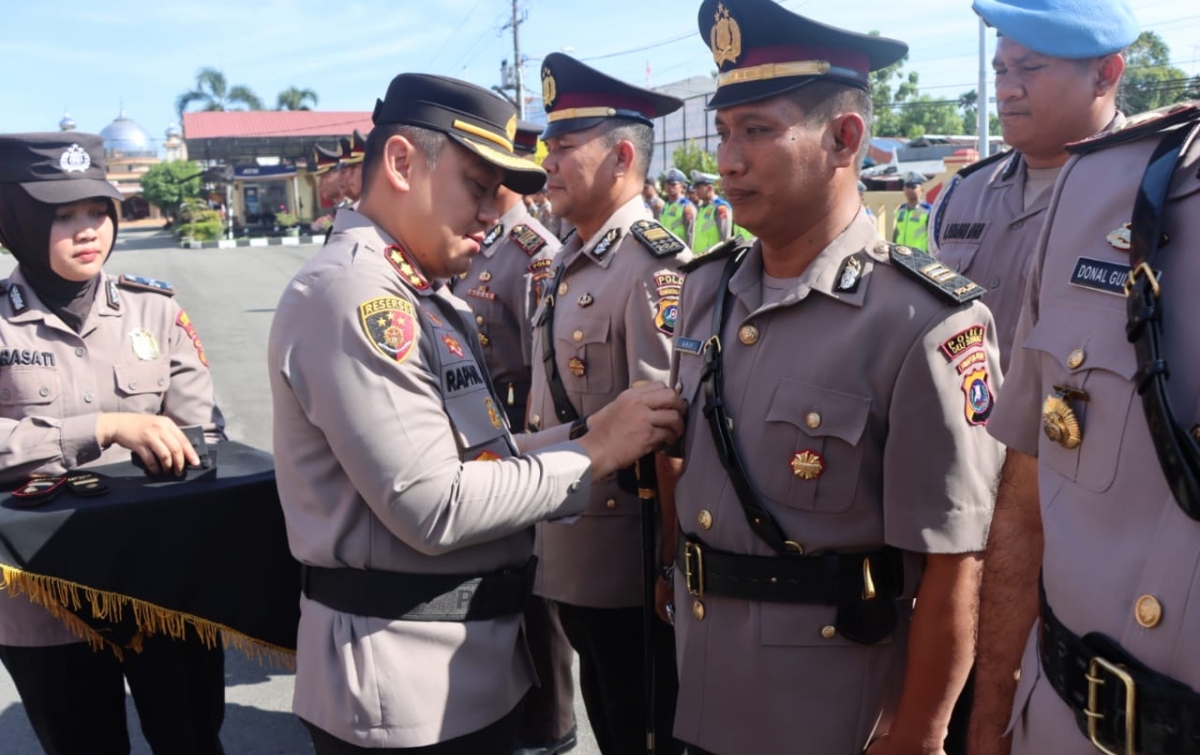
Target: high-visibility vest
{"x":708,"y":225}
{"x":912,"y":226}
{"x":672,"y":218}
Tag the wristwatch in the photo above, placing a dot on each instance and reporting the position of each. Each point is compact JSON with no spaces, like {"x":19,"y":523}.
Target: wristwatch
{"x":579,"y":428}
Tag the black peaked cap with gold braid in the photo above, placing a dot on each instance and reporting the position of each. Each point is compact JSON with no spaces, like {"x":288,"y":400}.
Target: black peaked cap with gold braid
{"x":470,"y":115}
{"x":577,"y":97}
{"x":762,"y":50}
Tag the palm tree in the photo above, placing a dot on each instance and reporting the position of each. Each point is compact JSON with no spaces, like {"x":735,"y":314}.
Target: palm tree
{"x":294,"y":99}
{"x":214,"y":93}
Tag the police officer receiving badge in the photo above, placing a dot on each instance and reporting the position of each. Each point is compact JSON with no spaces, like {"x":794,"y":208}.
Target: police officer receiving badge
{"x":144,"y":345}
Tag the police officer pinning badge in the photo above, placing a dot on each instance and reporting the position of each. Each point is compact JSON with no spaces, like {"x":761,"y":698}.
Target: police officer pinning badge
{"x":493,"y":415}
{"x":145,"y":347}
{"x":16,"y":298}
{"x":453,"y":345}
{"x":606,"y":243}
{"x":390,"y":324}
{"x":656,"y":238}
{"x":849,"y":275}
{"x":726,"y":37}
{"x":1059,"y":421}
{"x":978,"y":392}
{"x":496,"y":232}
{"x":808,"y":465}
{"x":75,"y":160}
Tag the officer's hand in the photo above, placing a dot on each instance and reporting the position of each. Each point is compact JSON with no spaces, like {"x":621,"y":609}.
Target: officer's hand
{"x":157,"y":440}
{"x":642,"y":419}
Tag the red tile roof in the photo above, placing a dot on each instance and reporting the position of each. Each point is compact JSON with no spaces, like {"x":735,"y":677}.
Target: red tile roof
{"x":217,"y":125}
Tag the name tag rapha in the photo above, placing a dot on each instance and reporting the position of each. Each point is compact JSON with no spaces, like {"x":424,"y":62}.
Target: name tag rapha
{"x":1098,"y":275}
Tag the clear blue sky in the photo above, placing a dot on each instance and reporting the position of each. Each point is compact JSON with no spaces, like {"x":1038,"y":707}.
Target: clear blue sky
{"x":86,"y":58}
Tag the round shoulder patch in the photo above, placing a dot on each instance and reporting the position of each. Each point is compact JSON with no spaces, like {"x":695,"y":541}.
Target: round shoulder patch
{"x":390,"y":324}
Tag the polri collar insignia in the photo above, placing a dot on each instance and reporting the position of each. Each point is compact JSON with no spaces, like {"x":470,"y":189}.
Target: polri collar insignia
{"x":407,"y":269}
{"x":114,"y":296}
{"x":850,"y":275}
{"x":606,"y":243}
{"x":586,"y":300}
{"x":75,"y":160}
{"x":16,"y":297}
{"x":496,"y":232}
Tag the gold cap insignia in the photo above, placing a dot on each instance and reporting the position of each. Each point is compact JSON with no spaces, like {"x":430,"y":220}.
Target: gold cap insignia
{"x":549,"y":89}
{"x":510,"y":129}
{"x":807,"y":465}
{"x":1059,"y":420}
{"x":726,"y":37}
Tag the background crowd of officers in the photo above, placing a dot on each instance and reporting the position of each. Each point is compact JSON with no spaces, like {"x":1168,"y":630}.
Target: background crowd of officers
{"x":839,"y":470}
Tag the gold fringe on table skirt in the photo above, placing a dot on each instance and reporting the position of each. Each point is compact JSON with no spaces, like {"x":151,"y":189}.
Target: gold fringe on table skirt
{"x":60,"y":597}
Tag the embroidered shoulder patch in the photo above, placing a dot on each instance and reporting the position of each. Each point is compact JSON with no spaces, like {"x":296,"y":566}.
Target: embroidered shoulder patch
{"x":964,"y":341}
{"x":138,"y":283}
{"x":185,"y":322}
{"x":923,"y":267}
{"x":660,"y":241}
{"x":390,"y":324}
{"x":528,"y":239}
{"x":977,"y":391}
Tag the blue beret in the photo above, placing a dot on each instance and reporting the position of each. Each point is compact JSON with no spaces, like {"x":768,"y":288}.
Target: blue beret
{"x":1063,"y":28}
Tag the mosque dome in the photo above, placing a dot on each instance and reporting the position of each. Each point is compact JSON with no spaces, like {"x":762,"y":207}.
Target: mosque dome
{"x":174,"y":131}
{"x":67,"y":123}
{"x":124,"y":138}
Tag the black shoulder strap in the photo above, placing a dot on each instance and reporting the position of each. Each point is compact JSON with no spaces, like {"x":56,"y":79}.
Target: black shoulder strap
{"x":563,"y":409}
{"x":1178,"y":451}
{"x":712,"y":378}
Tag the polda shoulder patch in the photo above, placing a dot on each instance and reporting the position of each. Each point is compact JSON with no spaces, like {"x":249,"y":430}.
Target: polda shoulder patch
{"x":923,"y":267}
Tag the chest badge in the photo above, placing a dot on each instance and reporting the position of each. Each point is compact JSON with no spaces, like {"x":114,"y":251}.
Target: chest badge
{"x":493,"y":414}
{"x":808,"y":465}
{"x":586,"y":300}
{"x":1059,"y":421}
{"x":577,"y":367}
{"x":1122,"y":238}
{"x":145,"y":347}
{"x":485,"y":276}
{"x":453,"y":345}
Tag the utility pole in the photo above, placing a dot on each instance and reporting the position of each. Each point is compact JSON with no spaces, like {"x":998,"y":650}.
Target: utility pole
{"x":981,"y":101}
{"x":518,"y":67}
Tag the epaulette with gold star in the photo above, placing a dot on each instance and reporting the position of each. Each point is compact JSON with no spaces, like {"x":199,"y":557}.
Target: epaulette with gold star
{"x":408,"y":271}
{"x":138,"y":283}
{"x":923,"y":267}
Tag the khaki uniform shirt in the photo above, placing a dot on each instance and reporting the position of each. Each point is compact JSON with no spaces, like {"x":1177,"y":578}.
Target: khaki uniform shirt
{"x":891,"y":387}
{"x":613,"y":319}
{"x":1113,"y":531}
{"x":392,"y":454}
{"x":502,"y":287}
{"x":136,"y":352}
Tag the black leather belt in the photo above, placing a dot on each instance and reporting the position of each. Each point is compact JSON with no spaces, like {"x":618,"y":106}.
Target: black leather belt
{"x":829,"y":579}
{"x":1122,"y":706}
{"x":421,"y":597}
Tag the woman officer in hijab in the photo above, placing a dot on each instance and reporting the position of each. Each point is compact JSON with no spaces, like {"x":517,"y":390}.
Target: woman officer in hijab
{"x":93,"y":368}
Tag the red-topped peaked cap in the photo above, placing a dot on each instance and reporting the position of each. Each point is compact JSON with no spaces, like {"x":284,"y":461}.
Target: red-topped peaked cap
{"x":578,"y":97}
{"x":762,"y":50}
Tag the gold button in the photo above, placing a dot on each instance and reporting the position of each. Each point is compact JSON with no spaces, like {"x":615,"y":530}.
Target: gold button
{"x":1017,"y":675}
{"x":577,"y":336}
{"x":611,"y":503}
{"x":748,"y":334}
{"x":562,"y":289}
{"x":1076,"y":358}
{"x":813,"y":420}
{"x":536,"y":421}
{"x":706,"y":520}
{"x":479,"y":319}
{"x":1148,"y":611}
{"x":829,"y":632}
{"x":698,"y":610}
{"x":679,"y":388}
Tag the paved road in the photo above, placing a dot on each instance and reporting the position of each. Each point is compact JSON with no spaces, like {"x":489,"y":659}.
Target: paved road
{"x":230,"y":295}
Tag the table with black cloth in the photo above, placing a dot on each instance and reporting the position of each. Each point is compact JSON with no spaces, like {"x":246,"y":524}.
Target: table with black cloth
{"x":210,"y":551}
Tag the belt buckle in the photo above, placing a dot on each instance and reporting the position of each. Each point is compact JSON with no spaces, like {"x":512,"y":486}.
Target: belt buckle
{"x":693,"y":569}
{"x":1094,"y":681}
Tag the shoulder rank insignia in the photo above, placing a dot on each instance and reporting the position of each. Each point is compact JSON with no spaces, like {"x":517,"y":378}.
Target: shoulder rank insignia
{"x":979,"y":165}
{"x":948,"y":284}
{"x":849,"y":276}
{"x":16,"y":297}
{"x":719,"y":252}
{"x":660,"y":241}
{"x":528,"y":239}
{"x":494,"y":234}
{"x":139,"y":283}
{"x":399,"y":259}
{"x":606,"y":243}
{"x":1139,"y":126}
{"x":114,"y":296}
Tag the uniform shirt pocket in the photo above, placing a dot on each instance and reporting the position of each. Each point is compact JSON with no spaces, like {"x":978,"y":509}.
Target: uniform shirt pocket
{"x":140,"y":385}
{"x":29,"y":391}
{"x":584,"y":349}
{"x":810,"y":447}
{"x":1089,"y":354}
